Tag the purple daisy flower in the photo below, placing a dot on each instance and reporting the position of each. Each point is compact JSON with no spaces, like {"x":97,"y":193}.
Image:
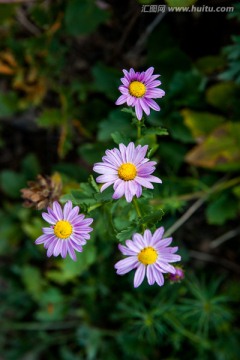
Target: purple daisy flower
{"x":128,"y":170}
{"x":150,"y":254}
{"x":68,"y":231}
{"x":139,"y":89}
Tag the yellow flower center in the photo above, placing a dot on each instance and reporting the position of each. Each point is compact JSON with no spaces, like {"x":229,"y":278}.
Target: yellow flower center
{"x":137,"y":89}
{"x":127,"y":171}
{"x":148,"y":256}
{"x":63,"y":229}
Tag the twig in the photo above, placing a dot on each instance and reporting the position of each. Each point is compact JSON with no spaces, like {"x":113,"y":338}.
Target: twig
{"x":185,"y":216}
{"x":215,"y":259}
{"x":220,"y":184}
{"x":139,"y":44}
{"x":21,"y":17}
{"x":221,"y":239}
{"x":128,"y":29}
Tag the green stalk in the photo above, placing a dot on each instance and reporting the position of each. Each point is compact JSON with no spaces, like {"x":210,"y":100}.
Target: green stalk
{"x":139,"y":130}
{"x":138,"y":211}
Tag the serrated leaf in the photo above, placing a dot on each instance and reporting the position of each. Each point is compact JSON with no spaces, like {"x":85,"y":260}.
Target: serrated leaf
{"x":116,"y":120}
{"x":155,"y":131}
{"x":93,"y":183}
{"x":119,"y":138}
{"x":129,"y":111}
{"x":84,"y":197}
{"x":127,"y":233}
{"x":152,"y":218}
{"x":152,"y":151}
{"x":104,"y":196}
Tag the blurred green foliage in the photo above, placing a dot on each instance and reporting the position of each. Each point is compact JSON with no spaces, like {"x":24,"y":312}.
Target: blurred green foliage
{"x":60,"y":67}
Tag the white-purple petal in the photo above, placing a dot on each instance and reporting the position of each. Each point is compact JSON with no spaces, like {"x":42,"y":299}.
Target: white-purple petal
{"x":150,"y":275}
{"x":139,"y":110}
{"x":49,"y":218}
{"x":121,"y":100}
{"x":139,"y":275}
{"x":57,"y":210}
{"x":67,"y":209}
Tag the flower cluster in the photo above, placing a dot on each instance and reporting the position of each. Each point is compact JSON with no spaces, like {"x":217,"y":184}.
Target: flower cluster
{"x":128,"y":170}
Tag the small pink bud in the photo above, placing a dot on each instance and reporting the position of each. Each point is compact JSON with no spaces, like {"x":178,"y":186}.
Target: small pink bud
{"x":178,"y":276}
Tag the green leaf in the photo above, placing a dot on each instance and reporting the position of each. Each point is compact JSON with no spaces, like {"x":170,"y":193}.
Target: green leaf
{"x":224,"y":96}
{"x":69,"y":270}
{"x":84,"y":197}
{"x":50,"y":118}
{"x":116,"y":120}
{"x":106,"y":195}
{"x":220,"y":150}
{"x":91,"y":152}
{"x":93,"y":183}
{"x":185,"y":89}
{"x":201,"y":123}
{"x":236,"y":191}
{"x":128,"y":232}
{"x":155,"y":131}
{"x":82,"y":17}
{"x":210,"y":64}
{"x":119,"y":138}
{"x":222,"y":209}
{"x":129,"y":111}
{"x":106,"y":80}
{"x":152,"y":218}
{"x":152,"y":151}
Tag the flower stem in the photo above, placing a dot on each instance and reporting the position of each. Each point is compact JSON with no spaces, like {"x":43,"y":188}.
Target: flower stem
{"x":139,"y":130}
{"x":138,"y":211}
